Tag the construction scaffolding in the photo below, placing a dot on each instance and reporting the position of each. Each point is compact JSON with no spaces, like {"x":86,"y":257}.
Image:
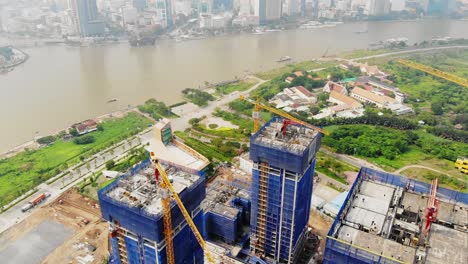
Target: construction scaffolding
{"x":227,"y":210}
{"x":382,"y":221}
{"x":133,"y":207}
{"x":282,"y":178}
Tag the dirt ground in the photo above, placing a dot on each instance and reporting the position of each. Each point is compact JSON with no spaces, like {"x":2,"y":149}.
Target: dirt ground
{"x":321,"y":225}
{"x":88,"y":244}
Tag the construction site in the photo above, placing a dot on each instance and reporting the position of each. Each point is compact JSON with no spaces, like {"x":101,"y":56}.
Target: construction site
{"x":67,"y":230}
{"x":392,"y":219}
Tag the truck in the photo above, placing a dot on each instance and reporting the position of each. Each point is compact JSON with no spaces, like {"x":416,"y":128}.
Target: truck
{"x":37,"y":200}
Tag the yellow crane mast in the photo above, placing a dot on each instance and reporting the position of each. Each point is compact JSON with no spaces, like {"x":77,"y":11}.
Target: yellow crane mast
{"x":165,"y":183}
{"x":438,"y":73}
{"x":259,"y":106}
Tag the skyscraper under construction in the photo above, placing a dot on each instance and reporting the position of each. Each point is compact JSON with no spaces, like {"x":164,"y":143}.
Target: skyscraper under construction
{"x":284,"y":155}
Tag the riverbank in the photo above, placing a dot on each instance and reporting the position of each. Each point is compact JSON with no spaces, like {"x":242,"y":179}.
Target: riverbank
{"x":12,"y":57}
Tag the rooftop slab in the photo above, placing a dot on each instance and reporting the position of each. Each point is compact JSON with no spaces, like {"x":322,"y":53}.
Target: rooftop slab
{"x":447,"y":246}
{"x":141,"y":190}
{"x":176,"y":155}
{"x":376,"y":244}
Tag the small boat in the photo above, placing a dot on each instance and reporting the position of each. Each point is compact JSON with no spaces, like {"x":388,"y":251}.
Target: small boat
{"x":361,"y":32}
{"x":284,"y":58}
{"x":112,"y":100}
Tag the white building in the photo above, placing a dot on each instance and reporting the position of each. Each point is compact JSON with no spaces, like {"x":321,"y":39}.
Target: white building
{"x":378,"y":7}
{"x":398,"y":5}
{"x":291,"y":7}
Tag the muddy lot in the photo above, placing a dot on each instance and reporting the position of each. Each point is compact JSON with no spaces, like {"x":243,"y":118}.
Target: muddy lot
{"x":68,"y":230}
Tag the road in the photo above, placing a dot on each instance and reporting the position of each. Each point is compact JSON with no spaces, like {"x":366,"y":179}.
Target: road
{"x":408,"y":51}
{"x":97,"y":162}
{"x":182,"y":123}
{"x":400,"y":170}
{"x":75,"y":175}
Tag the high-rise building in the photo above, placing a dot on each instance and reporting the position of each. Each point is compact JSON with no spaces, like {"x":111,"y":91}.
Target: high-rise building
{"x":86,"y":18}
{"x":292,"y":7}
{"x":439,"y":7}
{"x":268,"y":10}
{"x":132,"y":207}
{"x":283,"y":156}
{"x":140,"y":4}
{"x":378,"y":7}
{"x":165,"y":11}
{"x":398,"y":5}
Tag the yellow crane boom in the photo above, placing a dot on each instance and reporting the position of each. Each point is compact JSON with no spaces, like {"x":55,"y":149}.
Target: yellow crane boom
{"x":166,"y":183}
{"x":438,"y":73}
{"x":256,"y":115}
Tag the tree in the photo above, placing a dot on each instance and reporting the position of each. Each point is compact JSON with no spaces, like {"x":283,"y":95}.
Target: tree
{"x":100,"y":127}
{"x":74,"y":132}
{"x":110,"y":164}
{"x":83,"y":140}
{"x":437,"y":108}
{"x":46,"y":140}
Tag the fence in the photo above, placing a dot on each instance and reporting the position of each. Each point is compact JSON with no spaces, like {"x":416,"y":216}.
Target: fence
{"x":139,"y":221}
{"x":338,"y":251}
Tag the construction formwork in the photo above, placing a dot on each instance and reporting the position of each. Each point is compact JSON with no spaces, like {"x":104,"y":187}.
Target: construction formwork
{"x":282,"y":181}
{"x":227,"y":208}
{"x":339,"y":251}
{"x":137,"y":236}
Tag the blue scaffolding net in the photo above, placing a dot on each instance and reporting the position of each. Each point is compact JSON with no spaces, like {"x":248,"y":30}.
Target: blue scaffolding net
{"x":338,"y":251}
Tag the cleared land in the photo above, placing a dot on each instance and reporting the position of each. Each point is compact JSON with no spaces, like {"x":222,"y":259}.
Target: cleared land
{"x":68,"y":230}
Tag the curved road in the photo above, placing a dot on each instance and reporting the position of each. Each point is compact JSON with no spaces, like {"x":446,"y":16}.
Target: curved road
{"x":420,"y":167}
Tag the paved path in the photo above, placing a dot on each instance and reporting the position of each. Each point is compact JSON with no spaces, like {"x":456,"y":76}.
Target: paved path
{"x":182,"y":123}
{"x":419,"y":167}
{"x":75,"y":174}
{"x":409,"y":51}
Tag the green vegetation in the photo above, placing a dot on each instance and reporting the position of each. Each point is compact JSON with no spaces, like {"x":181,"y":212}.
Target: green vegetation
{"x":306,"y":65}
{"x":28,"y":169}
{"x":198,"y":97}
{"x":211,"y":152}
{"x":237,"y":86}
{"x":363,"y":53}
{"x":6,"y":52}
{"x":46,"y":140}
{"x":444,"y":179}
{"x":333,"y":167}
{"x":84,"y":140}
{"x":369,"y":141}
{"x":156,"y":109}
{"x":135,"y":156}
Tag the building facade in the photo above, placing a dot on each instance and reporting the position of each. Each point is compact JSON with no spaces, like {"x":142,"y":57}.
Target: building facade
{"x":86,"y":18}
{"x":282,"y":179}
{"x":165,"y":11}
{"x":268,"y":10}
{"x":132,"y":207}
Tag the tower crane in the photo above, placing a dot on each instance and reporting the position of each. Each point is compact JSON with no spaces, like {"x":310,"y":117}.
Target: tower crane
{"x":168,"y":193}
{"x":432,"y":206}
{"x":438,"y":73}
{"x":259,"y":106}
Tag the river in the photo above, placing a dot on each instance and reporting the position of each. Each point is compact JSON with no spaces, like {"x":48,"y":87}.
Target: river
{"x":60,"y":85}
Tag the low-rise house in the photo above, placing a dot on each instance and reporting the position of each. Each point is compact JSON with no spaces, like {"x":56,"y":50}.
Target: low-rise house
{"x":85,"y":127}
{"x":333,"y":86}
{"x":366,"y":96}
{"x":294,"y":99}
{"x":341,"y":99}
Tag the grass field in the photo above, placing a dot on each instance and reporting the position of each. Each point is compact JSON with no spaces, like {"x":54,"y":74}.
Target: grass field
{"x":28,"y":169}
{"x":305,"y":65}
{"x":233,"y":87}
{"x":364,"y":53}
